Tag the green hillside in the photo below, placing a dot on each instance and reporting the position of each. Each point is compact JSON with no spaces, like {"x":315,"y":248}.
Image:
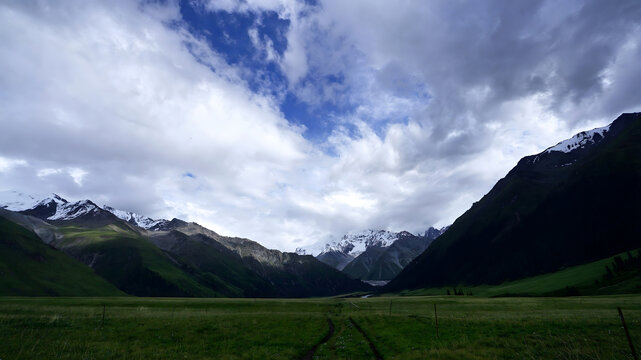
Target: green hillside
{"x":586,"y":279}
{"x":190,"y":262}
{"x":130,"y":262}
{"x":215,"y":266}
{"x":29,"y":267}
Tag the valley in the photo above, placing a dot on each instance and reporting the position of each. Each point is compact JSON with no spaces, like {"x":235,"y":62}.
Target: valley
{"x":501,"y":283}
{"x":318,"y":179}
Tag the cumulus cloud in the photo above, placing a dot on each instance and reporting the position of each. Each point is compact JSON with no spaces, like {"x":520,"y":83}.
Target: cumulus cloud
{"x":448,"y":96}
{"x":119,"y":101}
{"x":111,"y":103}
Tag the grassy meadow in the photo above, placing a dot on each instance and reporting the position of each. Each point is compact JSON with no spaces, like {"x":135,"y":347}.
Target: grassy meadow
{"x":398,"y":328}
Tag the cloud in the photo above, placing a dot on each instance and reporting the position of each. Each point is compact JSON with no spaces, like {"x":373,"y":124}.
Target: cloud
{"x":427,"y":106}
{"x":8,"y":164}
{"x":448,"y":96}
{"x":125,"y":103}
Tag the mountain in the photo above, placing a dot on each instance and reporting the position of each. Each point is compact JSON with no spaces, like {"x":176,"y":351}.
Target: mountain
{"x":29,"y":267}
{"x":432,"y":233}
{"x":135,"y":219}
{"x":335,"y":258}
{"x":384,"y":263}
{"x":339,"y":252}
{"x":147,"y":257}
{"x":55,"y":209}
{"x":576,"y":202}
{"x":287,"y":274}
{"x":372,"y":254}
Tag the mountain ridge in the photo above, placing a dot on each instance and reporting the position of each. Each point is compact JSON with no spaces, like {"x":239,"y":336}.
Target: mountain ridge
{"x":371,"y":255}
{"x":175,"y":258}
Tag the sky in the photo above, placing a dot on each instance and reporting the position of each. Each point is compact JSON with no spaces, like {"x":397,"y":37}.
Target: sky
{"x":291,"y":122}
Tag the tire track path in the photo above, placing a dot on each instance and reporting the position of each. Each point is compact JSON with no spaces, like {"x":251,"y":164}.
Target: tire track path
{"x":330,"y":333}
{"x":377,"y":354}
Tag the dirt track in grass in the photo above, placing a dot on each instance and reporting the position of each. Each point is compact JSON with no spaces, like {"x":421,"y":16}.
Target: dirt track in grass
{"x":330,"y":333}
{"x":377,"y":354}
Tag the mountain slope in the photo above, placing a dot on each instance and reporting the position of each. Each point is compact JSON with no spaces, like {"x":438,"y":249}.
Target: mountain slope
{"x":146,"y":257}
{"x":286,"y":274}
{"x":360,"y":267}
{"x":384,"y":263}
{"x":56,"y":210}
{"x":599,"y":277}
{"x":340,"y":252}
{"x":391,"y":262}
{"x":29,"y":267}
{"x":576,"y":202}
{"x":135,"y":219}
{"x":130,"y":262}
{"x":335,"y":258}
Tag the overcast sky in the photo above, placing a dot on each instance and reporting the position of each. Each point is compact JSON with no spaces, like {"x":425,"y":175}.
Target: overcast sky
{"x":289,"y":122}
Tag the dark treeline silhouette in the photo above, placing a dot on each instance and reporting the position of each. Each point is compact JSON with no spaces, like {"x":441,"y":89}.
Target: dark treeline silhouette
{"x":621,"y":266}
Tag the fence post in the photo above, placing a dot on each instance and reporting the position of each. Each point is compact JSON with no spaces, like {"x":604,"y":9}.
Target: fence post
{"x":436,"y":320}
{"x":627,"y":334}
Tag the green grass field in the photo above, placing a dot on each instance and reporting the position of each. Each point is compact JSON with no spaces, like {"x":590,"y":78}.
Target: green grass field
{"x":398,"y":327}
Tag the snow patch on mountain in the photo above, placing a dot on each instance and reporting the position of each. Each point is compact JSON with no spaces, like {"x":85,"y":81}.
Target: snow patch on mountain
{"x":580,"y":140}
{"x":69,"y":211}
{"x":133,"y":218}
{"x":352,"y":244}
{"x":65,"y":210}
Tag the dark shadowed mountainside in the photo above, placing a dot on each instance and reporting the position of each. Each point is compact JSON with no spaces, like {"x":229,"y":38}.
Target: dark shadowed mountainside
{"x":577,"y":202}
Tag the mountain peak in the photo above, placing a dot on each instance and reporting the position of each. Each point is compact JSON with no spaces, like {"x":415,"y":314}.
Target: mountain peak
{"x":59,"y":198}
{"x":352,"y":244}
{"x":134,"y":218}
{"x":68,"y":211}
{"x":580,"y":140}
{"x":432,"y":233}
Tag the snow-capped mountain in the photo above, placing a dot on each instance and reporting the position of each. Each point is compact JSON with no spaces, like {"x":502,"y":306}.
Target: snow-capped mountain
{"x":569,"y":151}
{"x":188,"y":253}
{"x":364,"y":246}
{"x":135,"y":219}
{"x":68,"y":211}
{"x":340,"y":252}
{"x":501,"y":237}
{"x":52,"y":207}
{"x":580,"y":140}
{"x":55,"y":207}
{"x":352,"y":244}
